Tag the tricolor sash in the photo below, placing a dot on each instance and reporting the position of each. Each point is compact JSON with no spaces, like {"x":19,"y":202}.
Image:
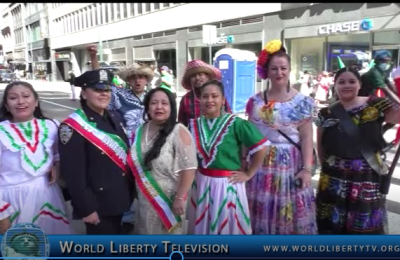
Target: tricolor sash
{"x":112,"y":145}
{"x":161,"y":203}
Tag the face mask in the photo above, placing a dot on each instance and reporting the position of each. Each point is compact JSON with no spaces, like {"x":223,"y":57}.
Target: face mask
{"x":384,"y":66}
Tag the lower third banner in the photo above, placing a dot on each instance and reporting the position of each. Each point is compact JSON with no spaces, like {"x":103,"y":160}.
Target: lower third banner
{"x":199,"y":247}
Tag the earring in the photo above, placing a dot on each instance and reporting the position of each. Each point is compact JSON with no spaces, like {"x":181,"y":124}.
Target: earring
{"x":222,"y":110}
{"x":267,"y":87}
{"x":288,"y":86}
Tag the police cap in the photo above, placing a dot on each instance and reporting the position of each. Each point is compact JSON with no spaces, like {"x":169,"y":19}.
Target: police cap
{"x":97,"y":79}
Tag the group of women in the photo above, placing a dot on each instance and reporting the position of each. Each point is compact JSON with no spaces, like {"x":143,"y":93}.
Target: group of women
{"x":223,"y":174}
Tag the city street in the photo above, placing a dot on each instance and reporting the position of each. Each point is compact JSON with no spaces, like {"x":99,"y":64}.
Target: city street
{"x":57,"y":105}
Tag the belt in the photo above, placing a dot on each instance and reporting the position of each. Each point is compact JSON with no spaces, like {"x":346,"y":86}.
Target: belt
{"x":215,"y":173}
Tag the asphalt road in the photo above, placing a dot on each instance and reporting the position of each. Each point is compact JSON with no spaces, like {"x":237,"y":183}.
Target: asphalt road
{"x":57,"y":105}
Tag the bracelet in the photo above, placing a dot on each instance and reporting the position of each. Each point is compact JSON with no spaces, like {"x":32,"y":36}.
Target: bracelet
{"x":309,"y":168}
{"x":179,"y":198}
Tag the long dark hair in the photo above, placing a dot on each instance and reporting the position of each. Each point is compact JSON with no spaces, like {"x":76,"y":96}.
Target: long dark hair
{"x":6,"y":115}
{"x":165,"y":129}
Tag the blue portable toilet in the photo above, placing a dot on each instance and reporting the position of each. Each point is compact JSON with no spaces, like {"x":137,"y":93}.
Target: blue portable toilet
{"x":238,"y":69}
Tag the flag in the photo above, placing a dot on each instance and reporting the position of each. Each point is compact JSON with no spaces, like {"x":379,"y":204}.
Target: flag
{"x":341,"y":64}
{"x":396,"y":79}
{"x":371,"y":64}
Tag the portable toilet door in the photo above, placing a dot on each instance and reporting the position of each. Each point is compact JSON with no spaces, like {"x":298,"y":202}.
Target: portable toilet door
{"x":225,"y":63}
{"x":238,"y":69}
{"x":245,"y":79}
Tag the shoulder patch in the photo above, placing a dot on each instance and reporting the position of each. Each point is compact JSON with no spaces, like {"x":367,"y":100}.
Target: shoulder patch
{"x":65,"y":133}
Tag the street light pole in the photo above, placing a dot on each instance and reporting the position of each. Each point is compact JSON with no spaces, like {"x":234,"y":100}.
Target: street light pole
{"x":210,"y":48}
{"x":100,"y":45}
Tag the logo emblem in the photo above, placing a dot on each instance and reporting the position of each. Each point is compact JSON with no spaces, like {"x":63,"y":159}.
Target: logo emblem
{"x":65,"y":133}
{"x":25,"y":240}
{"x":367,"y":24}
{"x":103,"y":75}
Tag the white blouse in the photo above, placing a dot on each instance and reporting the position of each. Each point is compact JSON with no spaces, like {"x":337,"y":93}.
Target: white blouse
{"x":28,"y":150}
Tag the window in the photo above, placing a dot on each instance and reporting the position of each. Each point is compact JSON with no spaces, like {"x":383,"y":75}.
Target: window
{"x":35,"y":32}
{"x":89,"y":17}
{"x":118,"y":12}
{"x":140,"y":10}
{"x":126,"y":7}
{"x":165,"y":4}
{"x":132,"y":11}
{"x":78,"y":21}
{"x":148,"y":7}
{"x":107,"y":13}
{"x":156,"y":6}
{"x":306,"y":54}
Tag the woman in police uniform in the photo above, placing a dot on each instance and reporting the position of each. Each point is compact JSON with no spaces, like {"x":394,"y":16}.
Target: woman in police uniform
{"x":93,"y":149}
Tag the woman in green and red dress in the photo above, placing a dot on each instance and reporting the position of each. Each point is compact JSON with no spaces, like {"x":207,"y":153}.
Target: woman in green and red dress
{"x":219,"y":201}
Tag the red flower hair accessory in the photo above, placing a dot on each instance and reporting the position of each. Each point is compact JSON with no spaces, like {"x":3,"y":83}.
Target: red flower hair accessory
{"x":270,"y":48}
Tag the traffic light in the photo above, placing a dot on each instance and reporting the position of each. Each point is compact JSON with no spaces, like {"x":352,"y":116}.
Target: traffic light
{"x":230,"y":39}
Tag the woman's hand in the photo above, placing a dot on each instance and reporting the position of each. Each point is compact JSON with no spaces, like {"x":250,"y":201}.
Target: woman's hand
{"x":5,"y":224}
{"x":305,"y":177}
{"x":53,"y":175}
{"x":92,"y":219}
{"x":92,"y":50}
{"x":179,"y":206}
{"x":239,"y":176}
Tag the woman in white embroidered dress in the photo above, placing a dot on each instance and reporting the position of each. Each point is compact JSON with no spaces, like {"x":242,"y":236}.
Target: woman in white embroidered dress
{"x":29,"y":163}
{"x":163,"y":161}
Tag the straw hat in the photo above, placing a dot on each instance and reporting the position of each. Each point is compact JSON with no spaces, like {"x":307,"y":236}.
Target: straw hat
{"x":135,"y":69}
{"x":197,"y":66}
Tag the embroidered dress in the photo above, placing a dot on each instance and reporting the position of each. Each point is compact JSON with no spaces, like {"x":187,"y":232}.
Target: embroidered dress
{"x":157,"y":188}
{"x":217,"y":206}
{"x":348,"y":197}
{"x":28,"y":151}
{"x":129,"y":106}
{"x":276,"y":205}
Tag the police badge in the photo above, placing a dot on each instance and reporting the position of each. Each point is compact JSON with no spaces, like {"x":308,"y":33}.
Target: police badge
{"x":103,"y":75}
{"x":65,"y":133}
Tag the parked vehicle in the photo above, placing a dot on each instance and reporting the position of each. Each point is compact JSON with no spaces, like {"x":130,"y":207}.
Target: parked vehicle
{"x":7,"y":76}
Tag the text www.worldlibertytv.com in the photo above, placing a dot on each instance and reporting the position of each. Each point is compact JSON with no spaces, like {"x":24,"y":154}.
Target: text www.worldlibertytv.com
{"x":331,"y":248}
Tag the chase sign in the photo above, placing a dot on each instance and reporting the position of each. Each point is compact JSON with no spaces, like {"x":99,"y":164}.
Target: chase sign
{"x":355,"y":26}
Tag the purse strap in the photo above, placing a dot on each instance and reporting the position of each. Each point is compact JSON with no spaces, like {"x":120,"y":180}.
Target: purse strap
{"x":282,"y":133}
{"x":352,"y":131}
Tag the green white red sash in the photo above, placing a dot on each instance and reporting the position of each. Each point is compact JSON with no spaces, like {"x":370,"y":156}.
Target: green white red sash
{"x":161,"y":203}
{"x":112,"y":145}
{"x":207,"y":140}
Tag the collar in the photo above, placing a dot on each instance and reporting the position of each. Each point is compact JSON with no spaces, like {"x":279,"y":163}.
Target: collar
{"x":93,"y":115}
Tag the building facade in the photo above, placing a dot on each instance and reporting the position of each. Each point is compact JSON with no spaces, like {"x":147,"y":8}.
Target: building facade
{"x":167,"y":33}
{"x":171,"y":33}
{"x":37,"y":43}
{"x":25,"y":38}
{"x":353,"y":32}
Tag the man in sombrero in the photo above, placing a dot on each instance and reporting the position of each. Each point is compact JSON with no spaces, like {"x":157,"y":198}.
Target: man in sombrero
{"x":197,"y":73}
{"x":128,"y":102}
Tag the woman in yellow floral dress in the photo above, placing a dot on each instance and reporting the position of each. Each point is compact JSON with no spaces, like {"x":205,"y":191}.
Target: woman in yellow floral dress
{"x":348,"y":197}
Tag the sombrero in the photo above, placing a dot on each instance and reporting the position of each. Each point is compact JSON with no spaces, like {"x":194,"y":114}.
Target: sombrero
{"x":197,"y":66}
{"x":135,"y":69}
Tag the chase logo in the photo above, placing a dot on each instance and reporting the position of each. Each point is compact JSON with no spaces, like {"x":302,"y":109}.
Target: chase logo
{"x":366,"y":24}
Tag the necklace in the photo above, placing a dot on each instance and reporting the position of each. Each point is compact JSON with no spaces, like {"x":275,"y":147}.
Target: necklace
{"x":147,"y":135}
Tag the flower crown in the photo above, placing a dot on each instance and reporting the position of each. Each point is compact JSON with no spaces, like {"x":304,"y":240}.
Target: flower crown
{"x":270,"y":48}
